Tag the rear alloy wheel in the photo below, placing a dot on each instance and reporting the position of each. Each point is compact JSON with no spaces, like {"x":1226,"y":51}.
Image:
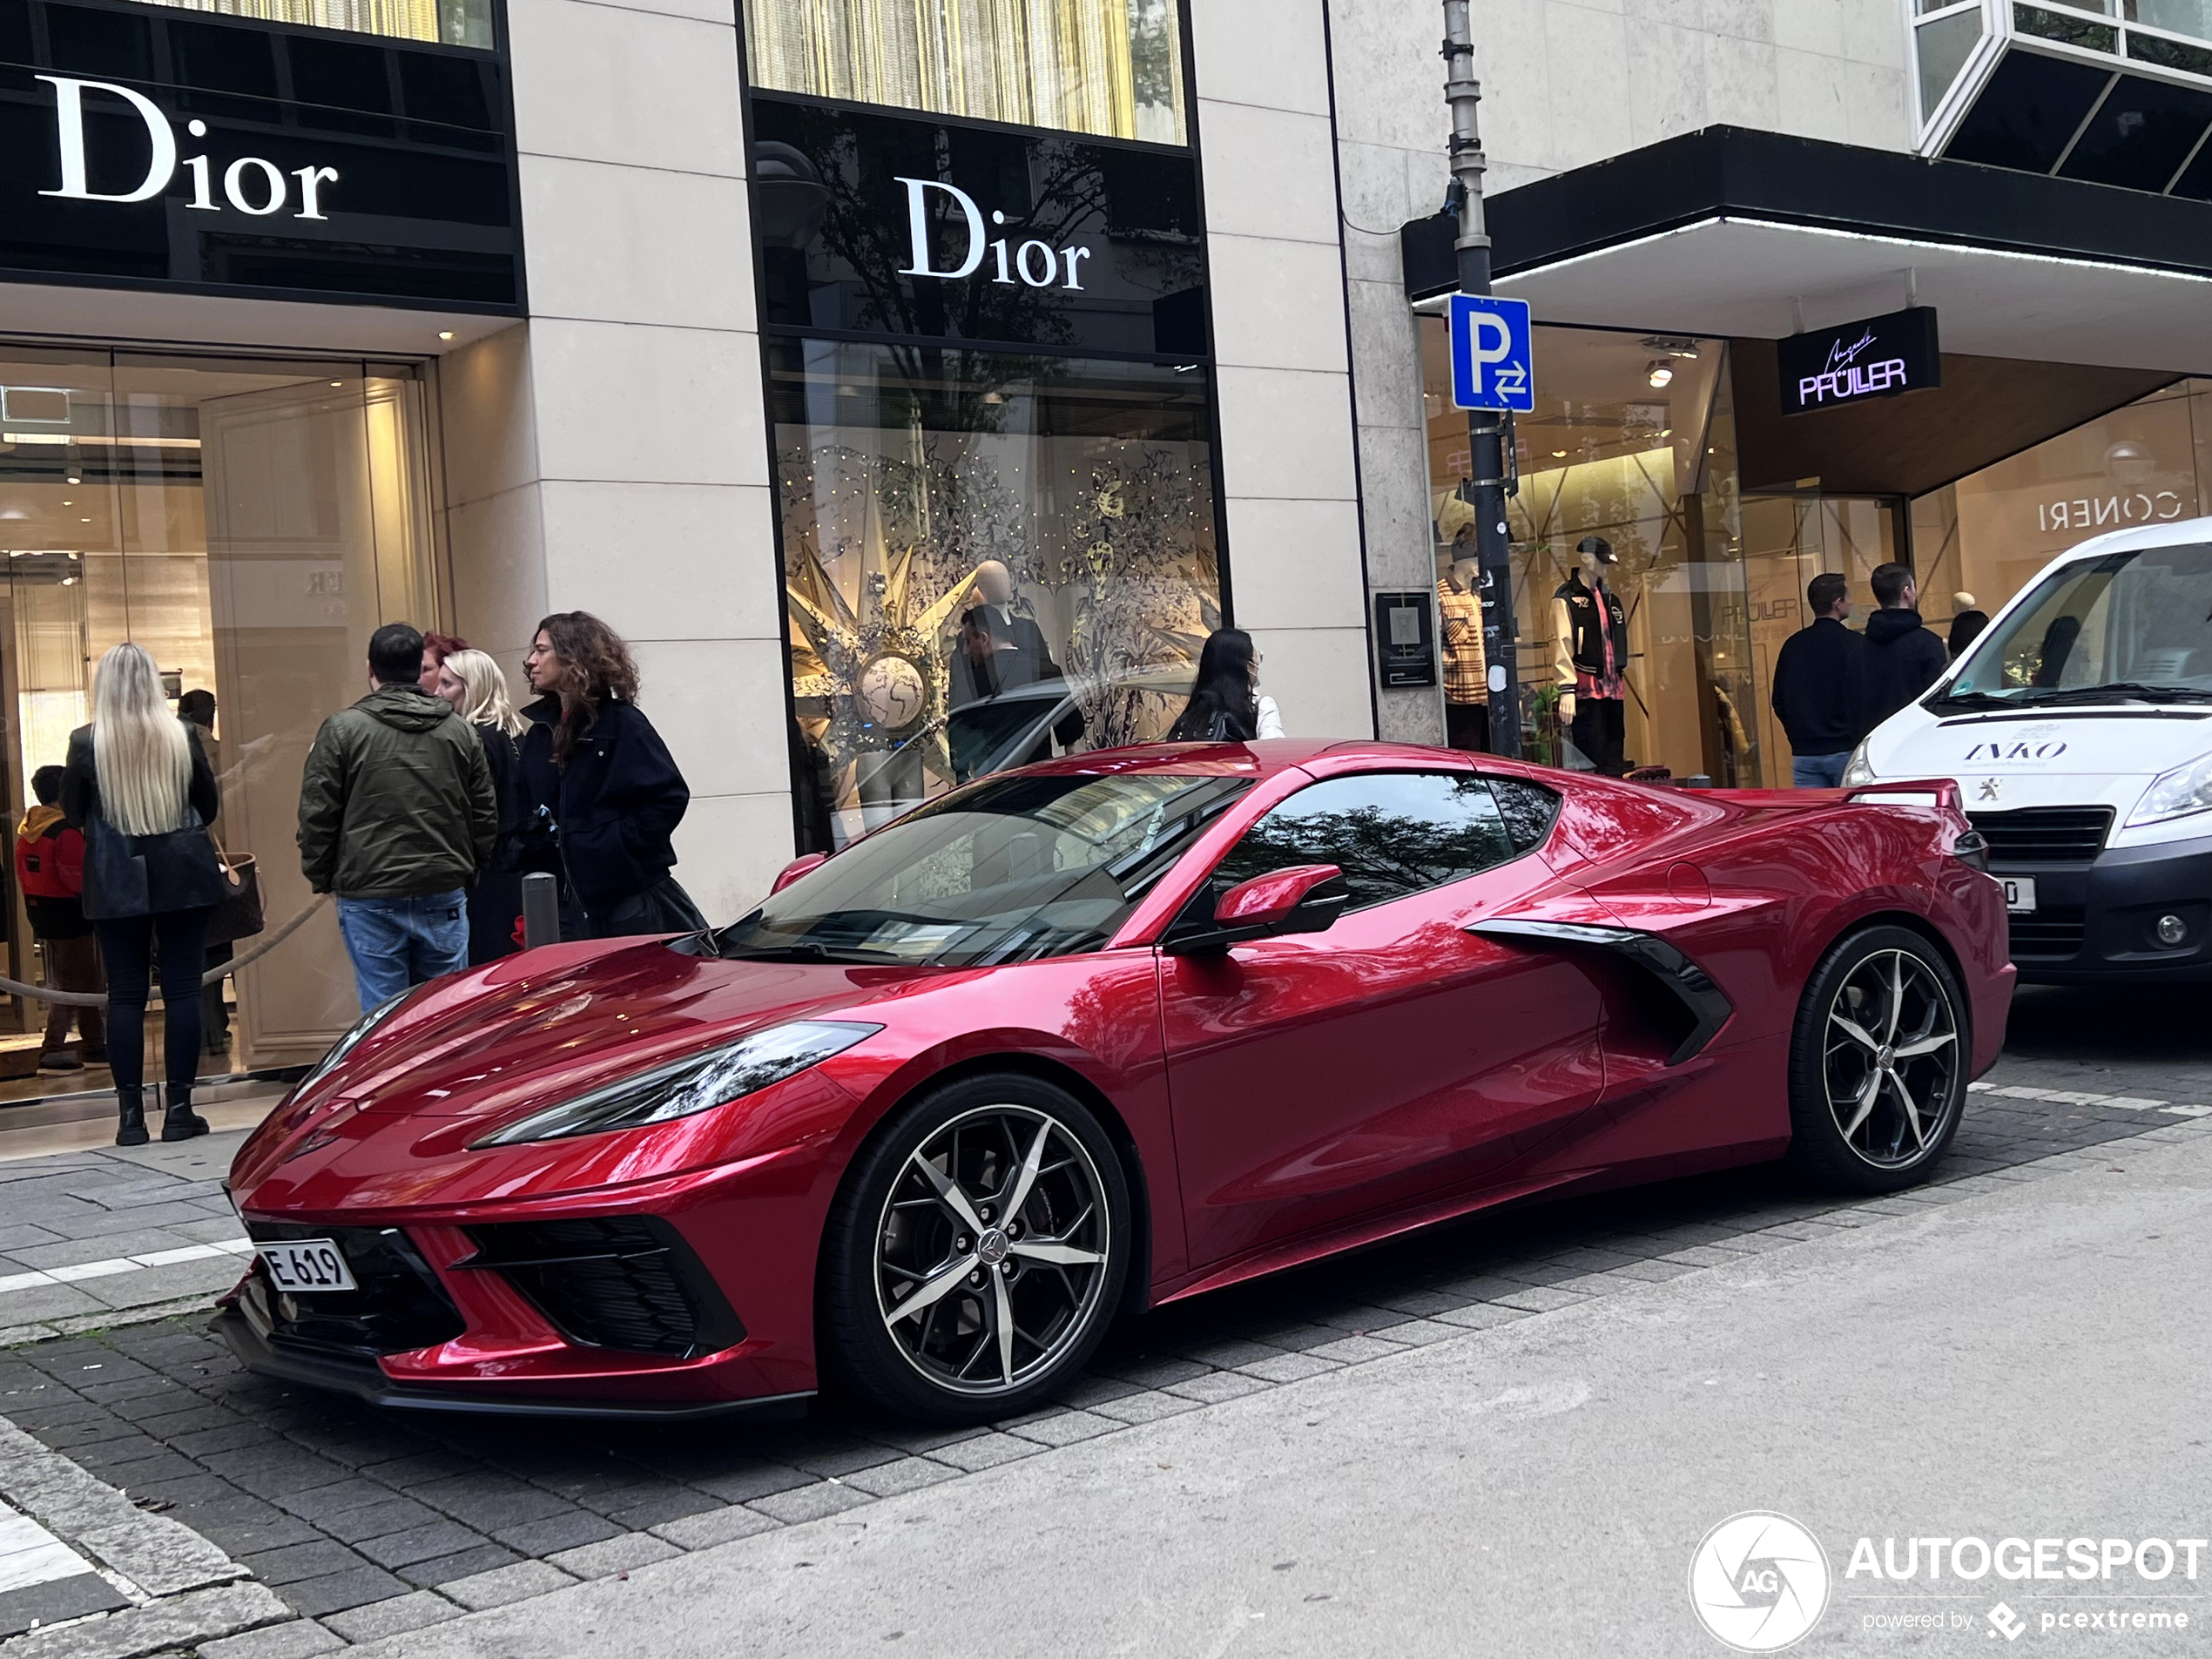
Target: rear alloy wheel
{"x":977,"y":1251}
{"x":1878,"y":1063}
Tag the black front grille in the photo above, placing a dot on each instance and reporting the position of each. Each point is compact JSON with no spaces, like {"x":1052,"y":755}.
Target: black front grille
{"x":2045,"y":835}
{"x":2053,"y":931}
{"x":625,"y":1282}
{"x":399,"y":1306}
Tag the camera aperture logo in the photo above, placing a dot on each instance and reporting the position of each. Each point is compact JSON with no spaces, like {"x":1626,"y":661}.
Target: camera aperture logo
{"x":1758,"y":1582}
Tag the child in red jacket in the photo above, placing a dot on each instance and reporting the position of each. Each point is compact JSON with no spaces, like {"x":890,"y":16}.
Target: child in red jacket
{"x":50,"y":868}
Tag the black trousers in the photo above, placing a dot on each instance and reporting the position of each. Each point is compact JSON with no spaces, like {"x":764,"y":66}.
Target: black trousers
{"x":127,"y":945}
{"x":1601,"y":732}
{"x":1466,"y":726}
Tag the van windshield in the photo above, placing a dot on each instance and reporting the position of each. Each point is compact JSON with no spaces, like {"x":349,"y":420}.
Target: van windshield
{"x":2129,"y":627}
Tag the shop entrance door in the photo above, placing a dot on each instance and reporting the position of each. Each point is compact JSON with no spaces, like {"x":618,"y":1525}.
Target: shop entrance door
{"x":1787,"y":540}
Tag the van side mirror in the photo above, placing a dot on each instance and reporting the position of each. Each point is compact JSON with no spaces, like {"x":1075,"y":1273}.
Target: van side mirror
{"x":1304,"y":899}
{"x":796,"y":868}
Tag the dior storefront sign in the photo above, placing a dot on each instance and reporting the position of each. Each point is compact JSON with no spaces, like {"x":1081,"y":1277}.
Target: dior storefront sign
{"x":250,"y":185}
{"x":1040,"y":265}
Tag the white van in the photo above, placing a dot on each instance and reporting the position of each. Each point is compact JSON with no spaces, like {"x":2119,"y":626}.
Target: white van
{"x":2079,"y":728}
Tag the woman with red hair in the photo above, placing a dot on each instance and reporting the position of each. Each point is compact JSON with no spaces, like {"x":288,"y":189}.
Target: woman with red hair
{"x":436,"y":648}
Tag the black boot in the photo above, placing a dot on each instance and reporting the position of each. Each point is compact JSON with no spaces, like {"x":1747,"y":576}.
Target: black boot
{"x":131,"y":1129}
{"x":181,"y":1122}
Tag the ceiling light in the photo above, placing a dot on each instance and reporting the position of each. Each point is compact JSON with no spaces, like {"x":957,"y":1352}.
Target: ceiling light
{"x":337,"y":382}
{"x":1559,"y":455}
{"x":83,"y":521}
{"x":69,"y":503}
{"x":1660,"y":372}
{"x":1666,"y":432}
{"x":68,"y":582}
{"x":445,"y":333}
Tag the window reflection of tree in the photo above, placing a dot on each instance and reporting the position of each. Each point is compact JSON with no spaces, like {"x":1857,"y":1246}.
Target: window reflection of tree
{"x":1384,"y":854}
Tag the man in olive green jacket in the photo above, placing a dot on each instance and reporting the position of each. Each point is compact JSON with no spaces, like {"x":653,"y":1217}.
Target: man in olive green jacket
{"x":397,"y":815}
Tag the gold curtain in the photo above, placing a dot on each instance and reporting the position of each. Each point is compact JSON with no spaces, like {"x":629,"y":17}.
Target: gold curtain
{"x":397,"y":19}
{"x":1073,"y":64}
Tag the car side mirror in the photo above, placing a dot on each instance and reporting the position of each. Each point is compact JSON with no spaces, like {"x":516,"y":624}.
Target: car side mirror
{"x":796,"y":868}
{"x":1304,"y":899}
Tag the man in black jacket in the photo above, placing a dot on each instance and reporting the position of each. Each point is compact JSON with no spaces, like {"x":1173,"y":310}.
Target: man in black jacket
{"x":1902,"y":660}
{"x":1815,"y":690}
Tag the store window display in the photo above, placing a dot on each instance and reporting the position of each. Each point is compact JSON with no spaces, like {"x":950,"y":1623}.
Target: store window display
{"x":988,"y":559}
{"x":1459,"y":609}
{"x":248,"y":523}
{"x":1590,"y":656}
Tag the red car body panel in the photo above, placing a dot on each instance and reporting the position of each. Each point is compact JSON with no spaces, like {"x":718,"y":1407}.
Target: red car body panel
{"x":1292,"y":1096}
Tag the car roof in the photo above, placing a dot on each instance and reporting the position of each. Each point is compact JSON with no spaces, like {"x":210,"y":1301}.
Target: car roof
{"x":1264,"y":759}
{"x":2179,"y":532}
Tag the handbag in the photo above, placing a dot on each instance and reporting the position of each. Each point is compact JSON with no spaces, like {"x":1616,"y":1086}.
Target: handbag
{"x":238,"y":914}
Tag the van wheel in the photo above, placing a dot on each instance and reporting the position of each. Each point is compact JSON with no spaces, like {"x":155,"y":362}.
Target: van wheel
{"x":1877,"y":1063}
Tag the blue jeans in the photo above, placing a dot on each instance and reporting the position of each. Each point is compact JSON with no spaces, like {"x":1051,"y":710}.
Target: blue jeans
{"x":398,"y":942}
{"x":1819,"y":771}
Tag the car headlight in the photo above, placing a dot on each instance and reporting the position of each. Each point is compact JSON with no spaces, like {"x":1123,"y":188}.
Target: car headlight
{"x":1856,"y":771}
{"x":2176,"y":794}
{"x":345,"y":1044}
{"x":695,"y":1083}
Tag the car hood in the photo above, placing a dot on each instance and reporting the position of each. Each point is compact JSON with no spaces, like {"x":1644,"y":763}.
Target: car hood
{"x":542,"y":1027}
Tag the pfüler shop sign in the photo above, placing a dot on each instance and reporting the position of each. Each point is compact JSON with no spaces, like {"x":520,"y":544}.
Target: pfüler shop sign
{"x":1832,"y":368}
{"x":161,"y":155}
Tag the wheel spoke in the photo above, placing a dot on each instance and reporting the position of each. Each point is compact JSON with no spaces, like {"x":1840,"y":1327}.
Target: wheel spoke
{"x":931,"y":1290}
{"x":1897,"y":992}
{"x":1027,"y":1177}
{"x":1003,"y":1316}
{"x":1912,"y":1109}
{"x":1925,"y":1045}
{"x":1865,"y":1104}
{"x":1047,"y":1250}
{"x":1856,"y":1032}
{"x":948,"y":1193}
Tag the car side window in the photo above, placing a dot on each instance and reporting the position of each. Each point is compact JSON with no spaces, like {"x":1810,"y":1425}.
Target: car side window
{"x":1392,"y":833}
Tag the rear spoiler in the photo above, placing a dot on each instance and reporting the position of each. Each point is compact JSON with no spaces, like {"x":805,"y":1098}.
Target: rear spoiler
{"x":1941,"y":793}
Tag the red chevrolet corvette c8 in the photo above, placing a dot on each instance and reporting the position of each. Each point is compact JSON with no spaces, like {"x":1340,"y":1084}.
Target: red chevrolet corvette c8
{"x":1092,"y":1036}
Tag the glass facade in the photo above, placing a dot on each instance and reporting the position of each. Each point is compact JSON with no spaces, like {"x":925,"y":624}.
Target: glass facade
{"x":451,"y":23}
{"x":1631,"y":441}
{"x":1109,"y":67}
{"x":249,"y":523}
{"x":986,"y":557}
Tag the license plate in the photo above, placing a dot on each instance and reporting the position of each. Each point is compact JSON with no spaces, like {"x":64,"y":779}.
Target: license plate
{"x":2020,"y":894}
{"x":306,"y":1264}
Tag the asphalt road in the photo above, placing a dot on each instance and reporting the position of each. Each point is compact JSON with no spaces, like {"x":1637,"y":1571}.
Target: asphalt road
{"x":2028,"y":1363}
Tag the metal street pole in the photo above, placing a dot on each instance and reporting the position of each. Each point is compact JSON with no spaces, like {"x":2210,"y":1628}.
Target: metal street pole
{"x":1487,"y":430}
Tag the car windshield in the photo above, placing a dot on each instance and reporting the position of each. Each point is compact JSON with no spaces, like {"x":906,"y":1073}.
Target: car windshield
{"x":2133,"y":626}
{"x":1007,"y":870}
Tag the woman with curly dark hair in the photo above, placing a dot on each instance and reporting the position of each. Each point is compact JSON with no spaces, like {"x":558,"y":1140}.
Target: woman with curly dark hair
{"x":604,"y":792}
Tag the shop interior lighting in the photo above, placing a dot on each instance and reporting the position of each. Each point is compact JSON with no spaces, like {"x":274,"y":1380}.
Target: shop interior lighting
{"x":1660,"y":372}
{"x":445,"y":333}
{"x":98,"y":440}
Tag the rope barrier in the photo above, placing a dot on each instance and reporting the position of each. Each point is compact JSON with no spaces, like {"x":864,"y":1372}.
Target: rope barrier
{"x":98,"y":1000}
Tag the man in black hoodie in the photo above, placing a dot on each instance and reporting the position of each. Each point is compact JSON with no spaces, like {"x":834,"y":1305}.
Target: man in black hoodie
{"x":1815,"y":695}
{"x":1902,"y":660}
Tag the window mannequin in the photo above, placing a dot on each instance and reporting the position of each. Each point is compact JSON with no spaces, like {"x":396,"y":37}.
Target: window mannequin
{"x":1467,"y":684}
{"x":1590,"y":656}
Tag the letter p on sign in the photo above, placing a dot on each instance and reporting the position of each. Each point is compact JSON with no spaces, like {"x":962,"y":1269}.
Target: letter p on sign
{"x":1492,"y":365}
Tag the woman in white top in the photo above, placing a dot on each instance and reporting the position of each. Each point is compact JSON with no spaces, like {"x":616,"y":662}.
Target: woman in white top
{"x":1226,"y":706}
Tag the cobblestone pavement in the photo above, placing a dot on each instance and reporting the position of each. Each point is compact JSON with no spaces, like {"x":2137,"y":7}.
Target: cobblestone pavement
{"x":365,"y":1524}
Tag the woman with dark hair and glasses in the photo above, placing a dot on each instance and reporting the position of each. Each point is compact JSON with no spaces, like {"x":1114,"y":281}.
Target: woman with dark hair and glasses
{"x":597,"y":777}
{"x":1226,"y":706}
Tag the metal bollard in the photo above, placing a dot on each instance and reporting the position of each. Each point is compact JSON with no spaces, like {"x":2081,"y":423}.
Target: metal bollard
{"x":541,"y":910}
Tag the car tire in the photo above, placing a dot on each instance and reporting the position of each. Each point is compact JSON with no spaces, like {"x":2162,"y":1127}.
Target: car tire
{"x":976,"y":1252}
{"x":1878,"y":1062}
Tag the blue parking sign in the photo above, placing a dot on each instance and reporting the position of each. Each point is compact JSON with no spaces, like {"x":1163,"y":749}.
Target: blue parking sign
{"x":1492,"y":366}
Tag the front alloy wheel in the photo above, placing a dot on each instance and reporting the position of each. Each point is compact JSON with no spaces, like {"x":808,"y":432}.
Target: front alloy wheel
{"x":1878,"y":1062}
{"x":995,"y":1236}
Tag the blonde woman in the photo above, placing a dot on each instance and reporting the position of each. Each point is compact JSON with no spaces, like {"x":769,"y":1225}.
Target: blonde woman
{"x":472,"y":682}
{"x":138,"y":785}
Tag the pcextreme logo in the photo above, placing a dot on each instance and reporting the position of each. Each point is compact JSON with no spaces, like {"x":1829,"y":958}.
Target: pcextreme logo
{"x":1758,"y":1582}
